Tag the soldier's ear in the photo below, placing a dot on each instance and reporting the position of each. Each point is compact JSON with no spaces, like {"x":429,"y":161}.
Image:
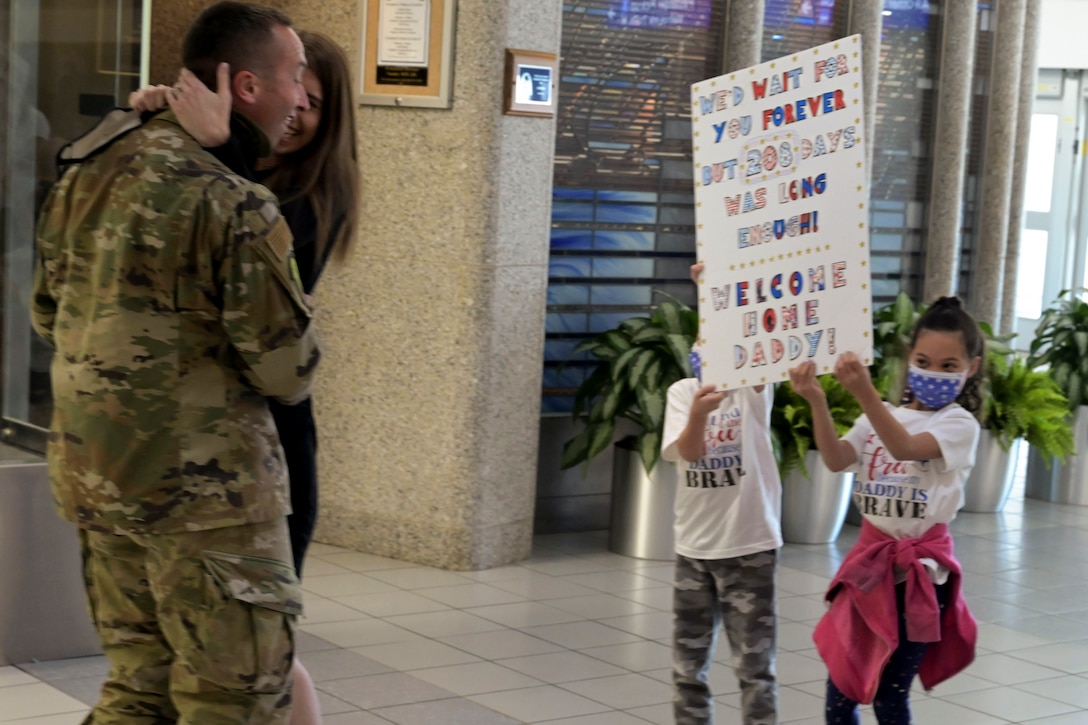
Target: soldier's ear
{"x":244,"y":86}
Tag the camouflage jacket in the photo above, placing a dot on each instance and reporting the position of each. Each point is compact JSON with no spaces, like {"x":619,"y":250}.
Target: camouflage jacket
{"x":166,"y":283}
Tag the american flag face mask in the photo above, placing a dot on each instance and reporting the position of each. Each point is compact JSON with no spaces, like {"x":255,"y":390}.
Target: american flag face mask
{"x":933,"y":389}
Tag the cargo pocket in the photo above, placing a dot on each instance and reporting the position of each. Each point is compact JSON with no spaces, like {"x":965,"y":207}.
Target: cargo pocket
{"x":248,"y":630}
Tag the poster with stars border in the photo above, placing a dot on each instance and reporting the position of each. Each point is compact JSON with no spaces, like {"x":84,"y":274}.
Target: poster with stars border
{"x":782,"y":216}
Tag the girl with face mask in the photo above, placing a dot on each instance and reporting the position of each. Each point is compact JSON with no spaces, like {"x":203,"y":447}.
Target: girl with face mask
{"x":895,"y":605}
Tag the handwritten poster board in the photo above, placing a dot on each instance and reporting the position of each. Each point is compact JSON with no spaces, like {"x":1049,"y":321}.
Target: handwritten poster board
{"x":781,"y":195}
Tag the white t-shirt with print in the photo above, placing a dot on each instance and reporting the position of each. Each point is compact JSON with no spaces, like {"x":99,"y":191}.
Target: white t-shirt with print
{"x":729,"y":502}
{"x":905,"y":498}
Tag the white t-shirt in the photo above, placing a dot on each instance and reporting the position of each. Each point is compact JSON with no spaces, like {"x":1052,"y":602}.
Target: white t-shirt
{"x":729,"y":502}
{"x":904,"y":499}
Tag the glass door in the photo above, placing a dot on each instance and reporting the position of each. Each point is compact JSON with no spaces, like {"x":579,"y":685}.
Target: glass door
{"x":1050,"y":242}
{"x":63,"y":63}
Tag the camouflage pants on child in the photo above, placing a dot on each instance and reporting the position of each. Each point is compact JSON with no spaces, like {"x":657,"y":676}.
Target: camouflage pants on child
{"x":739,"y":594}
{"x":198,"y":626}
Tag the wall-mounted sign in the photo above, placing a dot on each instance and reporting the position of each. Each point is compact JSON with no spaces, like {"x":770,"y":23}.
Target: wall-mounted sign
{"x":407,"y":53}
{"x":782,"y":213}
{"x":530,"y":83}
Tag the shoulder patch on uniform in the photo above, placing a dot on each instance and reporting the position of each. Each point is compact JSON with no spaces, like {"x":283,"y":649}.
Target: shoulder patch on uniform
{"x":295,"y":275}
{"x":280,"y":239}
{"x":269,"y":211}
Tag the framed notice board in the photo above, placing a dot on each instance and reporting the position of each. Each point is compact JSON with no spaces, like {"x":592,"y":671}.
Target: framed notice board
{"x":407,"y":53}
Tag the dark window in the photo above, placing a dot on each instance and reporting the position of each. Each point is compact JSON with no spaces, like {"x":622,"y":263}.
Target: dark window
{"x":623,"y":206}
{"x":902,"y":149}
{"x":68,"y":62}
{"x":976,"y":142}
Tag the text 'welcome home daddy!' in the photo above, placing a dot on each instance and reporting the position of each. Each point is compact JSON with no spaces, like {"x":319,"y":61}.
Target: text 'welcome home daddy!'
{"x":782,"y":197}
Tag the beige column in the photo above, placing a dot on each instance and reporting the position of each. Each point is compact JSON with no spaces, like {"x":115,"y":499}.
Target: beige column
{"x":1028,"y":71}
{"x":950,"y":148}
{"x":428,"y":396}
{"x":169,"y":21}
{"x":5,"y":80}
{"x":867,"y":18}
{"x":998,"y":160}
{"x":743,"y":34}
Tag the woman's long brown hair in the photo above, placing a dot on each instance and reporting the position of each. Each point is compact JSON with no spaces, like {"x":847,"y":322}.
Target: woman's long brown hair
{"x":326,"y":171}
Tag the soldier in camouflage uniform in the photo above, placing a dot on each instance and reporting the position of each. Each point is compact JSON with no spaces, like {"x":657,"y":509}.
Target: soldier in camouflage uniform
{"x":166,"y":284}
{"x":728,"y":534}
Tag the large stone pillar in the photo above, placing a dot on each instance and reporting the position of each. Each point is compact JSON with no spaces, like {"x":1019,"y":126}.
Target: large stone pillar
{"x":428,"y":396}
{"x":1028,"y":71}
{"x":867,"y":18}
{"x":428,"y":399}
{"x":998,"y":161}
{"x":169,"y":21}
{"x":743,"y":34}
{"x":5,"y":81}
{"x":950,"y":148}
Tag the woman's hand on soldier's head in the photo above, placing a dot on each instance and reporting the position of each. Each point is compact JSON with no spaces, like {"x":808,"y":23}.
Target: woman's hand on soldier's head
{"x":149,"y":98}
{"x":204,"y":114}
{"x":201,"y":112}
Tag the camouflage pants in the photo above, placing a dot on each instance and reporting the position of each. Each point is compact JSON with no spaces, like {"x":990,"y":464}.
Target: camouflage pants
{"x":198,"y":626}
{"x":739,"y":594}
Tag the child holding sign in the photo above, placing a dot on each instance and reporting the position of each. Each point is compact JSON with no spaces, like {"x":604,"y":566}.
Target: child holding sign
{"x":728,"y":533}
{"x":896,"y":607}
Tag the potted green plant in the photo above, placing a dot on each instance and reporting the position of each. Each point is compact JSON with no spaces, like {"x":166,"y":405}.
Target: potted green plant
{"x":636,"y":363}
{"x":1018,"y":403}
{"x":893,"y":325}
{"x":1060,"y":347}
{"x":814,"y":498}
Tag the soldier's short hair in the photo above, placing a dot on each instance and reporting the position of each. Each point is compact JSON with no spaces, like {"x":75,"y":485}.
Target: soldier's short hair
{"x":237,"y":33}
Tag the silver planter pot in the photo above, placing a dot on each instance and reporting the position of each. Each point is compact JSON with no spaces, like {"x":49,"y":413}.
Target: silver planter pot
{"x":642,"y":507}
{"x":1062,"y":482}
{"x":987,"y":488}
{"x":813,"y":508}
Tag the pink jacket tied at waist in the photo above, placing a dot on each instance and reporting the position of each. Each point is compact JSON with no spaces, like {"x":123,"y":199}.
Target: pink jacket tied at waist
{"x":859,"y":632}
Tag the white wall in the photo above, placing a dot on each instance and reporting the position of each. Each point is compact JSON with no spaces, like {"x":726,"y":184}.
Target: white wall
{"x":1062,"y":35}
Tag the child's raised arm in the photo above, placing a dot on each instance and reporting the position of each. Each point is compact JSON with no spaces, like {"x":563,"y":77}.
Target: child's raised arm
{"x":692,"y":441}
{"x":837,"y":454}
{"x":900,"y":444}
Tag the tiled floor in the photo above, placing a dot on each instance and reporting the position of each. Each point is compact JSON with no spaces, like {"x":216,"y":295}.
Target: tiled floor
{"x":580,"y":635}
